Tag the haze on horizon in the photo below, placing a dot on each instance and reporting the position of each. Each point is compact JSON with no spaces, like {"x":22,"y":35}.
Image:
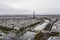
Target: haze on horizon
{"x":42,"y":7}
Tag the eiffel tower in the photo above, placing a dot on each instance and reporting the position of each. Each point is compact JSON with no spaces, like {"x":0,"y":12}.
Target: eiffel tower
{"x":33,"y":14}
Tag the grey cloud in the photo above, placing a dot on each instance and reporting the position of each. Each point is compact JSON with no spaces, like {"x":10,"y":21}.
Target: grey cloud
{"x":44,"y":7}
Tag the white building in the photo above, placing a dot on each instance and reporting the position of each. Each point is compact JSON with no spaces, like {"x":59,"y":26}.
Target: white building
{"x":54,"y":38}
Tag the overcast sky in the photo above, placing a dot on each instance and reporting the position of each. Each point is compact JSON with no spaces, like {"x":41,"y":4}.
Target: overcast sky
{"x":27,"y":6}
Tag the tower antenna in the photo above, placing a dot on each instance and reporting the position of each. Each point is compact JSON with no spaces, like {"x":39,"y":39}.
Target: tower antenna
{"x":33,"y":14}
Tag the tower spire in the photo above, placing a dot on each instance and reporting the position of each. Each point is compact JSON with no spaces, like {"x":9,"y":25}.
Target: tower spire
{"x":34,"y":14}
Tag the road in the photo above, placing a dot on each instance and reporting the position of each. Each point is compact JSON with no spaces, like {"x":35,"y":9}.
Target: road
{"x":46,"y":32}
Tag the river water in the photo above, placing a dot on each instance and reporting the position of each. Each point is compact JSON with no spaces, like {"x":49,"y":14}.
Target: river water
{"x":29,"y":35}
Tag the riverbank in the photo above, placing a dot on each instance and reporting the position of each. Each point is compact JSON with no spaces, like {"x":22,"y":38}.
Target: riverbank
{"x":45,"y":33}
